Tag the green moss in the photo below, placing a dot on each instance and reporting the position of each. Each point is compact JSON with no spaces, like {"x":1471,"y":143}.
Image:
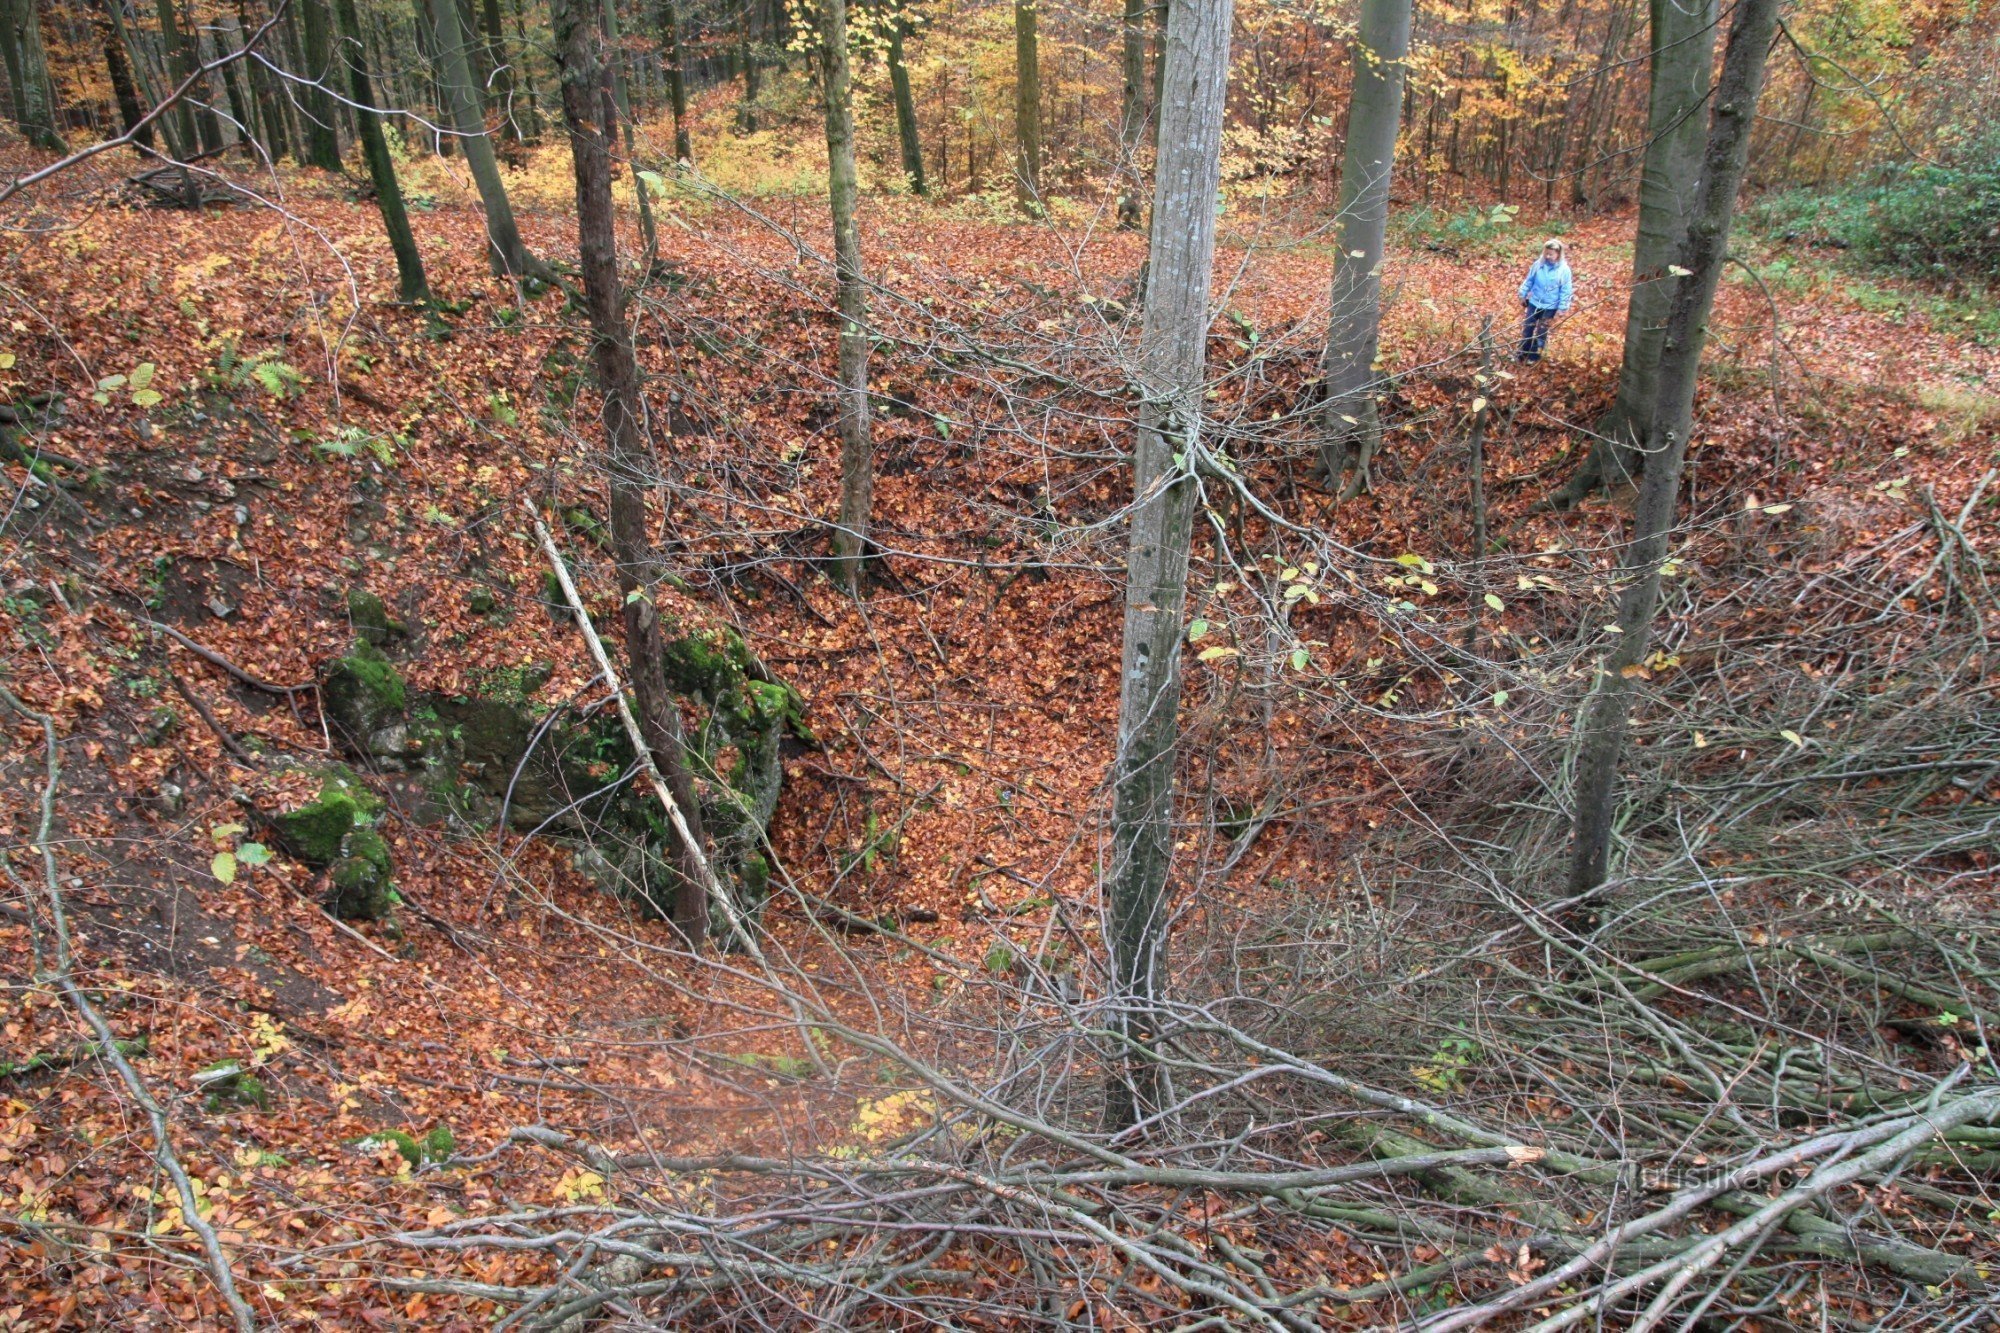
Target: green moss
{"x":359,"y":886}
{"x":440,"y":1143}
{"x":371,"y":618}
{"x":237,"y":1089}
{"x":316,"y":832}
{"x":435,"y":1146}
{"x":362,"y":691}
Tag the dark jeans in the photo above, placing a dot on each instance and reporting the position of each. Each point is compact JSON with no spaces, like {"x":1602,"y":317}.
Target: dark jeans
{"x":1535,"y":332}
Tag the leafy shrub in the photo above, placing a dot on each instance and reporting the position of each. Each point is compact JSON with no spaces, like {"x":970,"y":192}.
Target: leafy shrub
{"x":1938,"y":220}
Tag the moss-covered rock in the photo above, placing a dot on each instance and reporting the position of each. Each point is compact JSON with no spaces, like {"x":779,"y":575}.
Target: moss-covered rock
{"x":436,"y":1146}
{"x":336,"y":830}
{"x":372,"y":622}
{"x":316,"y":832}
{"x":362,"y":693}
{"x":360,"y":886}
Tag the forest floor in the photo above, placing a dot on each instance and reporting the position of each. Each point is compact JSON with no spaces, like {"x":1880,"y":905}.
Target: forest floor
{"x":965,"y":712}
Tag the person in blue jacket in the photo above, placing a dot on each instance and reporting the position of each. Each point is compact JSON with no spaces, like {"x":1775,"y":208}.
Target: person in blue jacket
{"x":1545,"y":294}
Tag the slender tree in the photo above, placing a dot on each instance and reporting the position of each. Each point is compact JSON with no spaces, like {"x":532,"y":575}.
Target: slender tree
{"x":506,"y":251}
{"x":412,"y":286}
{"x":1703,"y":249}
{"x":1027,"y":107}
{"x":1132,"y":114}
{"x":503,"y":70}
{"x":1172,"y":348}
{"x":28,"y":74}
{"x":898,"y":23}
{"x":857,"y":450}
{"x":590,"y":115}
{"x":670,"y":40}
{"x":1683,"y":51}
{"x":1353,"y":429}
{"x":322,"y":136}
{"x":615,"y":65}
{"x":753,"y":71}
{"x":531,"y":122}
{"x":270,"y":110}
{"x":183,"y":136}
{"x":118,"y":65}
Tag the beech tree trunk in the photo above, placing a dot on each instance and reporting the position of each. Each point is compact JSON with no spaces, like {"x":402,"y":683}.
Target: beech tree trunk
{"x":1027,"y":108}
{"x":1703,"y":248}
{"x":590,"y":115}
{"x":503,"y":69}
{"x":505,"y":250}
{"x":28,"y":74}
{"x":670,"y":38}
{"x":118,"y":65}
{"x":1353,"y":379}
{"x":906,"y":107}
{"x":184,"y":137}
{"x":1132,"y":115}
{"x":270,"y":114}
{"x":322,"y":139}
{"x":1683,"y":50}
{"x":623,"y":97}
{"x":412,"y":286}
{"x":857,"y":450}
{"x":1171,"y":366}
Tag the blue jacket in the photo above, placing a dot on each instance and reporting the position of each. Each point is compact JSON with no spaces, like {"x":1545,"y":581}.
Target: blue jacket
{"x":1548,"y":286}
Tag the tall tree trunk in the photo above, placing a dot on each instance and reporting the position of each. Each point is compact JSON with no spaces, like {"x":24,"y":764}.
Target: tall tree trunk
{"x":1027,"y":108}
{"x":590,"y":115}
{"x":857,"y":450}
{"x":28,"y":74}
{"x":1353,"y":419}
{"x":117,"y":64}
{"x":1132,"y":115}
{"x":506,"y":251}
{"x":322,"y":139}
{"x":670,"y":38}
{"x":621,"y":94}
{"x":1683,"y":51}
{"x":412,"y":286}
{"x":183,"y":135}
{"x":746,"y":60}
{"x":1172,"y":347}
{"x":531,"y":124}
{"x":1703,"y":249}
{"x":503,"y":70}
{"x":906,"y":107}
{"x":241,"y":111}
{"x":270,"y":114}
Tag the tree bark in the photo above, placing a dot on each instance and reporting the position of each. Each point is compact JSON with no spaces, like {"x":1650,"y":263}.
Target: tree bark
{"x":1027,"y":109}
{"x":118,"y":64}
{"x":28,"y":75}
{"x":1703,"y":249}
{"x":590,"y":114}
{"x":857,"y":451}
{"x":670,"y":37}
{"x":322,"y":139}
{"x":623,"y":98}
{"x":532,"y":123}
{"x":503,"y":70}
{"x":1172,"y":357}
{"x":1132,"y":115}
{"x":1683,"y":50}
{"x":1353,"y":428}
{"x":906,"y":107}
{"x":412,"y":286}
{"x":270,"y":114}
{"x":508,"y":255}
{"x":183,"y":135}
